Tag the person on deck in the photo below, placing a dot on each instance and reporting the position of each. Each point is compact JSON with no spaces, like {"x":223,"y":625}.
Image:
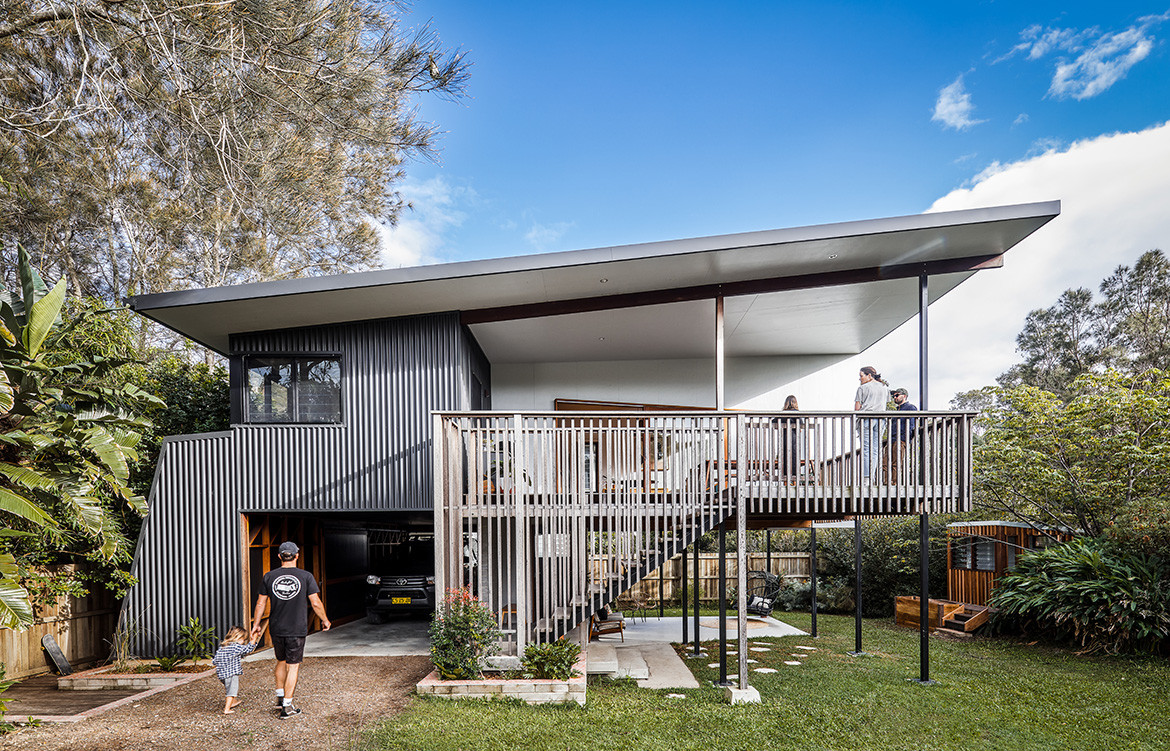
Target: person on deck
{"x":901,"y":434}
{"x":872,"y":395}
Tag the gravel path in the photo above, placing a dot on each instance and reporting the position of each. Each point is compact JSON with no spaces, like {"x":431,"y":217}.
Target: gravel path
{"x":338,"y":696}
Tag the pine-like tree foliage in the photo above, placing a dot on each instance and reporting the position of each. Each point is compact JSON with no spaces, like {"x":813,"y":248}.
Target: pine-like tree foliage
{"x":159,"y":144}
{"x":1126,"y":328}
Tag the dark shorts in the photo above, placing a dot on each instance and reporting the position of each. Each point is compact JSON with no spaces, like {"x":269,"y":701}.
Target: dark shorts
{"x":290,"y":649}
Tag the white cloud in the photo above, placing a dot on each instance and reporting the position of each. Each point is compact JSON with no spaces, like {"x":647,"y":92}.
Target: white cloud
{"x":1020,"y":119}
{"x":953,"y":108}
{"x":1103,"y":64}
{"x":1038,"y":41}
{"x":1111,"y":188}
{"x":1094,"y":61}
{"x":545,"y":236}
{"x":418,"y":237}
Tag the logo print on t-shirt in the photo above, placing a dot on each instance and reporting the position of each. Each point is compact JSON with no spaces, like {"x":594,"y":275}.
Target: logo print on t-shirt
{"x":286,"y":587}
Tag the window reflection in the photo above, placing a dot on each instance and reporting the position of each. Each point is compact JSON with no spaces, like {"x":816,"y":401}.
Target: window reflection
{"x":293,"y":389}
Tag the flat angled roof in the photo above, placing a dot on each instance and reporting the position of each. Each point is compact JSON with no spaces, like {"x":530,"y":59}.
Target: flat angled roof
{"x":866,"y":262}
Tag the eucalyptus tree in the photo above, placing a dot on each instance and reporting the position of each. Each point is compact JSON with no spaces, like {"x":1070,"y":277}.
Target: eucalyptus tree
{"x":1126,"y":327}
{"x":67,"y":441}
{"x":167,"y":143}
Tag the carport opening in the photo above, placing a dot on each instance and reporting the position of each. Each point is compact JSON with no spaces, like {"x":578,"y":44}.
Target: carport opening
{"x":376,"y":564}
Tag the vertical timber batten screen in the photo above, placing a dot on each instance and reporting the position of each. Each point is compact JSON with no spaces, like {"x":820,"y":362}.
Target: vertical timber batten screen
{"x":550,"y":516}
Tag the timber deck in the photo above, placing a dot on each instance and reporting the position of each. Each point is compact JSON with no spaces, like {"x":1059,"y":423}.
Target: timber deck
{"x":39,"y":697}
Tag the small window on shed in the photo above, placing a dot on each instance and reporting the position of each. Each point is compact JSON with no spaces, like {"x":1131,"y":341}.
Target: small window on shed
{"x":293,"y":389}
{"x":972,"y":553}
{"x":1013,"y":544}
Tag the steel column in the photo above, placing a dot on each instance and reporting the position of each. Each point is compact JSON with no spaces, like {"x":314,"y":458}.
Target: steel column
{"x":697,"y":586}
{"x":857,"y":586}
{"x":924,"y":519}
{"x":723,"y":604}
{"x":812,"y":562}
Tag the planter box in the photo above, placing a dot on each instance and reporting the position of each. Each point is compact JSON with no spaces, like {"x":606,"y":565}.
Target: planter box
{"x":532,"y":691}
{"x":104,"y":678}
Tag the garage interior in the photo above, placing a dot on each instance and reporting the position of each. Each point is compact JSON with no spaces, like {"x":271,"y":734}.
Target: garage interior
{"x":340,"y":549}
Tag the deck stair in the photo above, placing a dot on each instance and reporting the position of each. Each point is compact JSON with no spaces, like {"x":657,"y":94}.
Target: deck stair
{"x":945,"y":615}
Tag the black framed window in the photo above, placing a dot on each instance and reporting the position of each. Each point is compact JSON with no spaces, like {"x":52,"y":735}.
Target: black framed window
{"x":285,"y":389}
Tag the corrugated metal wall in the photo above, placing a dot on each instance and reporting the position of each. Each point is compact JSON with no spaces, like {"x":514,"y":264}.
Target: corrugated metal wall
{"x":188,"y":561}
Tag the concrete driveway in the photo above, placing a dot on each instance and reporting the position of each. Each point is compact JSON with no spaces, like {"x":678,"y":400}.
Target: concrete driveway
{"x":401,"y":637}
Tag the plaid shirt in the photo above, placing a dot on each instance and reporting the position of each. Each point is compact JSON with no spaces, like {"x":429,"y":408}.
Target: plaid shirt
{"x":227,"y":659}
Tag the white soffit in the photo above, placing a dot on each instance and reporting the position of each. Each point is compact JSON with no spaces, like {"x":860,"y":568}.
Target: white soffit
{"x":211,"y":316}
{"x":845,"y":319}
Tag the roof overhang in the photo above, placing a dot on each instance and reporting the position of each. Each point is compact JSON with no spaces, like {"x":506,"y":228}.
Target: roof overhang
{"x":827,"y":288}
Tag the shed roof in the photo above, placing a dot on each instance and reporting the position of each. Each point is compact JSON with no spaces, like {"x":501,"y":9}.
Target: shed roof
{"x":824,"y":289}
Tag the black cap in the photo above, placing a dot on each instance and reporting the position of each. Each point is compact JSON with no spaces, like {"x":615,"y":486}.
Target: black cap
{"x":903,"y":392}
{"x":288,"y":548}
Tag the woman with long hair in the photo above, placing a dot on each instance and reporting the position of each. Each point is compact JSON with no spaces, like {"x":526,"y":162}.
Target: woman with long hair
{"x":789,"y":456}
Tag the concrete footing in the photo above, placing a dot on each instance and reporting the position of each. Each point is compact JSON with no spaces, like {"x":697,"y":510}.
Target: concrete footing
{"x":749,"y":695}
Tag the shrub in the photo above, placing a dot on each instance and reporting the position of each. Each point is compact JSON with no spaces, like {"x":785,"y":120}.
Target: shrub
{"x":889,"y":563}
{"x":168,"y":664}
{"x":463,"y":633}
{"x":1092,"y":591}
{"x":195,"y":640}
{"x":553,"y":660}
{"x":795,"y":596}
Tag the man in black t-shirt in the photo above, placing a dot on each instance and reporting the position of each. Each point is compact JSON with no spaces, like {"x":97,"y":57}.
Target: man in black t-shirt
{"x":292,"y":591}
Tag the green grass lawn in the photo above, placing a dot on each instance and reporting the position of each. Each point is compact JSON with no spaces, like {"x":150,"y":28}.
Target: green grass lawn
{"x":989,"y":694}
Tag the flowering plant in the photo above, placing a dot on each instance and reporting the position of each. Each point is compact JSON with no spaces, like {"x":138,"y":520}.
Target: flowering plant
{"x":463,"y":633}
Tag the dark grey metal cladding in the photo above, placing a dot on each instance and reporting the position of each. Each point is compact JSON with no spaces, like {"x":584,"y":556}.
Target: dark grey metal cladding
{"x":394,"y":372}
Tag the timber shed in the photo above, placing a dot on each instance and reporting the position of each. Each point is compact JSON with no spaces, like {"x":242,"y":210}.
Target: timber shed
{"x":981,"y":553}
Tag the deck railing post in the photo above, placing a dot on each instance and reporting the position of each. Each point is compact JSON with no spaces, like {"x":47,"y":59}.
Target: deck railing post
{"x":523,"y":553}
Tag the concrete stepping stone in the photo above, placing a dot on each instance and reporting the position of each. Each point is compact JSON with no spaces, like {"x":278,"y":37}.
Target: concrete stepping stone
{"x":806,"y":649}
{"x":750,"y":661}
{"x":765,"y":670}
{"x":676,"y":696}
{"x":760,"y":649}
{"x":791,"y":662}
{"x":712,"y":664}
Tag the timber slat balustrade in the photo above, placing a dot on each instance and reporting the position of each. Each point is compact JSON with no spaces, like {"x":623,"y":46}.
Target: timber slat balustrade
{"x":559,"y":513}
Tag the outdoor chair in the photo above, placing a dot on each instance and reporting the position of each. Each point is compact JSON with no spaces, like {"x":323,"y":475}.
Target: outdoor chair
{"x":611,"y":625}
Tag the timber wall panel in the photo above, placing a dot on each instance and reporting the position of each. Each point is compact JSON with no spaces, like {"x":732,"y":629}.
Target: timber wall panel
{"x":82,"y":627}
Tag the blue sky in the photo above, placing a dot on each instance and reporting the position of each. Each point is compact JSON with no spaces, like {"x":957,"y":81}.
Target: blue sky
{"x":616,"y":123}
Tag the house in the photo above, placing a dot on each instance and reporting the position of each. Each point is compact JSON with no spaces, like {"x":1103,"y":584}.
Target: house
{"x":374,"y":405}
{"x":982,"y":552}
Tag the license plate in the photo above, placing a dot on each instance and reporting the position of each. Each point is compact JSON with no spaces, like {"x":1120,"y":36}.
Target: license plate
{"x":399,"y":600}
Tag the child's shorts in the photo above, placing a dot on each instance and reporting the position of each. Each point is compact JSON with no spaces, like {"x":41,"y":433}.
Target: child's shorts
{"x":231,"y":685}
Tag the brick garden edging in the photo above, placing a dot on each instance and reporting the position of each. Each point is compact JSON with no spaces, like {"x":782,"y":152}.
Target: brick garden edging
{"x":531,"y":690}
{"x":104,"y":678}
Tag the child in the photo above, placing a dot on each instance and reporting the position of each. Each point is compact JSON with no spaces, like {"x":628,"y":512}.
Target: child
{"x":228,"y":669}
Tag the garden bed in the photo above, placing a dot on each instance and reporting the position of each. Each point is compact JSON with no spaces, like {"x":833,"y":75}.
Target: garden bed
{"x":530,"y":690}
{"x":143,"y":674}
